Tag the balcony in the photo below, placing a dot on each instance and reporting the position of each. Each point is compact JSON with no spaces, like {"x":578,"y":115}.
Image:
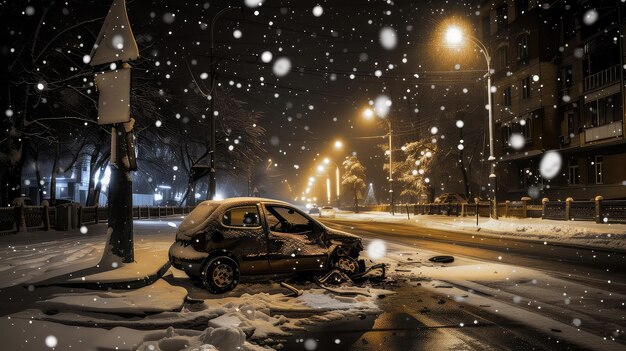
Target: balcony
{"x":603,"y":132}
{"x":602,"y":78}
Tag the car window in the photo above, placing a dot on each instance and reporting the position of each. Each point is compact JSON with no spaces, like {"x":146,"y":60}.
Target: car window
{"x":285,"y":219}
{"x":244,"y":216}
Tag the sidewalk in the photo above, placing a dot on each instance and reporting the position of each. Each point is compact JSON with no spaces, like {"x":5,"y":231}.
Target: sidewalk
{"x":74,"y":259}
{"x":589,"y":234}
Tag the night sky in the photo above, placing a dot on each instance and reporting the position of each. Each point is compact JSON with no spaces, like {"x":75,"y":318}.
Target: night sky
{"x":331,"y":62}
{"x":311,"y":68}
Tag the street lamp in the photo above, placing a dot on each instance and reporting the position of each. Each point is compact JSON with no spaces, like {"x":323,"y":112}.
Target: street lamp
{"x":454,"y":37}
{"x":338,"y":144}
{"x":328,"y":161}
{"x":368,"y":114}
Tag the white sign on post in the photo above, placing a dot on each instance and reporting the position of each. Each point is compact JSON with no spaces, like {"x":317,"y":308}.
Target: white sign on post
{"x":114,"y":97}
{"x":115,"y":42}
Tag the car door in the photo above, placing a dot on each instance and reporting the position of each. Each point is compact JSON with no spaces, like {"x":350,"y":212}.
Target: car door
{"x":242,"y":226}
{"x":294,"y":240}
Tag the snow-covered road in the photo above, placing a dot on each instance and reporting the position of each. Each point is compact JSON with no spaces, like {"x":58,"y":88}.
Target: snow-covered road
{"x":468,"y":304}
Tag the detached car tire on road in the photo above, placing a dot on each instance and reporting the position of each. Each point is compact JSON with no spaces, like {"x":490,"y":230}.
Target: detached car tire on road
{"x":221,"y":240}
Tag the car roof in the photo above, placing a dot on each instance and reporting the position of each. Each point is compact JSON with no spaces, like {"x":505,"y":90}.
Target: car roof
{"x":236,"y":200}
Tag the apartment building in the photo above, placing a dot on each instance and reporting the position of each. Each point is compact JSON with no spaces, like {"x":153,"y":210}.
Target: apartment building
{"x":557,"y":69}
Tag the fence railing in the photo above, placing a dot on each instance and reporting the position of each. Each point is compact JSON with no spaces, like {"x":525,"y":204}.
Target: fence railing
{"x":597,"y":210}
{"x":67,"y":217}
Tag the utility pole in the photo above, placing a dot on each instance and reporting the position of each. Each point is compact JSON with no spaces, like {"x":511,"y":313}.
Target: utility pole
{"x":212,"y":115}
{"x":114,"y":109}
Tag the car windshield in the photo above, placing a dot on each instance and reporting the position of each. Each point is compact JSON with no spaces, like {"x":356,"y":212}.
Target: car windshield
{"x":287,"y":220}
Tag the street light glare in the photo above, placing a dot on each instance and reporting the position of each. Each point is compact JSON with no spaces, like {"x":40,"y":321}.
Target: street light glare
{"x":326,"y":160}
{"x":454,"y":36}
{"x":338,"y":144}
{"x":368,"y":113}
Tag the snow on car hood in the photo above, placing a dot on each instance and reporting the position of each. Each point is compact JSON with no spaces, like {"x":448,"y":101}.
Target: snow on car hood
{"x":340,"y":235}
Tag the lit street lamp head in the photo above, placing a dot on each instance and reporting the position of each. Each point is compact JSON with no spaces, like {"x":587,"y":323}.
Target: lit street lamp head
{"x":338,"y":144}
{"x":454,"y":36}
{"x":368,"y":113}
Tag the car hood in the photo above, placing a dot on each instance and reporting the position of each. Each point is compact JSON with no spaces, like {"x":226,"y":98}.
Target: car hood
{"x":341,"y":235}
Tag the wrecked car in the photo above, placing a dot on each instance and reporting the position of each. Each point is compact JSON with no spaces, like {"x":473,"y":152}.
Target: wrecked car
{"x":221,"y":240}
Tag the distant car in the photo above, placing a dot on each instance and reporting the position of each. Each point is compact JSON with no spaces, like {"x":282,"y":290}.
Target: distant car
{"x":327,"y":212}
{"x":314,"y":210}
{"x":221,"y":240}
{"x":450,"y":198}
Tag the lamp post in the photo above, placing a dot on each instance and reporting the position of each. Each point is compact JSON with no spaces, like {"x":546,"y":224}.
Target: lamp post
{"x":454,"y":37}
{"x":369,"y":113}
{"x":337,"y":185}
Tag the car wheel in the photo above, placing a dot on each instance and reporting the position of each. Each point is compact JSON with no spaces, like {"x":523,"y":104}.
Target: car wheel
{"x":346,"y":264}
{"x":220,"y":274}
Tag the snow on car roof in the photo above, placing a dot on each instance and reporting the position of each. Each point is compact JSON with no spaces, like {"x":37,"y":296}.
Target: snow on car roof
{"x":235,"y":200}
{"x":200,"y":216}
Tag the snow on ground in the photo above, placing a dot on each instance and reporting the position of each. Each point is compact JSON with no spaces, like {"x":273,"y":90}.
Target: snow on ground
{"x":246,"y":318}
{"x":257,"y":315}
{"x":228,"y":323}
{"x":574,"y":232}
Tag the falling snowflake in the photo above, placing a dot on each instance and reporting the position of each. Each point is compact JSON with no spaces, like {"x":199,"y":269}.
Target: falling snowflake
{"x":282,"y":66}
{"x":254,"y":3}
{"x":318,"y":11}
{"x":51,"y":341}
{"x":377,"y":249}
{"x":517,"y":141}
{"x":381,"y":105}
{"x":550,"y":164}
{"x":266,"y":56}
{"x":388,"y":38}
{"x":590,"y":17}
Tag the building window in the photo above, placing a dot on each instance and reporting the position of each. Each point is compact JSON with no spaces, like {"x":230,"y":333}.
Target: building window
{"x":503,"y":56}
{"x":599,"y":169}
{"x":501,"y":17}
{"x":526,"y":178}
{"x":526,"y":128}
{"x":569,"y":28}
{"x":603,"y":111}
{"x":521,"y":6}
{"x":526,"y":88}
{"x":522,"y":48}
{"x":506,"y":97}
{"x":506,"y":133}
{"x":574,"y":176}
{"x":572,"y":124}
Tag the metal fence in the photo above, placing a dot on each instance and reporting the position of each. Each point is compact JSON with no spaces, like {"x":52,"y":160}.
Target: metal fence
{"x":597,"y":210}
{"x":66,"y":217}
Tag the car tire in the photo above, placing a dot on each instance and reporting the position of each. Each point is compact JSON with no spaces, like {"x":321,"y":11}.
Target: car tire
{"x":346,"y":264}
{"x":220,"y":275}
